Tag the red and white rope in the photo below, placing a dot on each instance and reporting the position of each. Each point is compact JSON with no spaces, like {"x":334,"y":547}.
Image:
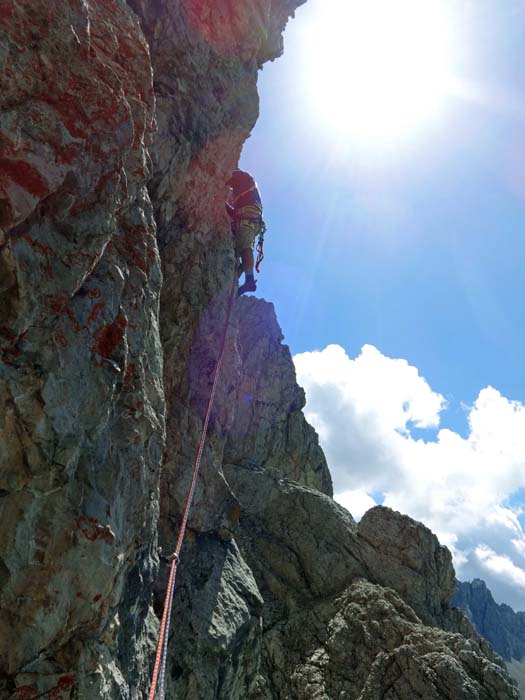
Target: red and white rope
{"x":158,"y":680}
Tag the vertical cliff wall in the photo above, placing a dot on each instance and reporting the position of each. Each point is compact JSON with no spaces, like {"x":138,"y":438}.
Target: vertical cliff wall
{"x":82,"y":417}
{"x":120,"y":125}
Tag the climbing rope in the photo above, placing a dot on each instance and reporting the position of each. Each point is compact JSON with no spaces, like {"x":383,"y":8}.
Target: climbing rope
{"x":159,"y":670}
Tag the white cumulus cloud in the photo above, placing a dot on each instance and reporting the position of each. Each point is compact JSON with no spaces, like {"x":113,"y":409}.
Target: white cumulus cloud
{"x":367,"y":410}
{"x":500,"y":566}
{"x":356,"y":501}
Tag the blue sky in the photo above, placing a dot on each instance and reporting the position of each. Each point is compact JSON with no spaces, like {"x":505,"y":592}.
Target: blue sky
{"x":441,"y":283}
{"x":415,"y":249}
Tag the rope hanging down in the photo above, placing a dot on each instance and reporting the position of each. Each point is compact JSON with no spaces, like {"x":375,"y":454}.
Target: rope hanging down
{"x":159,"y":670}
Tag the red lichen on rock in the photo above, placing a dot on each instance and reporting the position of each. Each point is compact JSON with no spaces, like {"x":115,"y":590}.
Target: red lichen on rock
{"x":24,"y":175}
{"x":66,"y":106}
{"x":93,"y":530}
{"x":99,"y":306}
{"x":25,"y":692}
{"x":132,"y":244}
{"x":14,"y":19}
{"x":64,"y":685}
{"x":44,"y":250}
{"x":67,"y":154}
{"x":60,"y":338}
{"x":12,"y":347}
{"x":29,"y":692}
{"x":130,"y":371}
{"x":104,"y":180}
{"x":61,"y":305}
{"x":109,"y":337}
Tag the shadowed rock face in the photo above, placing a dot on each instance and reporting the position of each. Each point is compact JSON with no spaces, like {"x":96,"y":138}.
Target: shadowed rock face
{"x":280,"y":594}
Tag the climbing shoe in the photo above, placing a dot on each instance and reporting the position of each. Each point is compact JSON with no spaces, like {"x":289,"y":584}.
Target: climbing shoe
{"x":249,"y":286}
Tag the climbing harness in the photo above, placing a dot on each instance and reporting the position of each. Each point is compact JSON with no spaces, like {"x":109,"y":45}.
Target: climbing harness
{"x":255,"y":222}
{"x":158,"y":679}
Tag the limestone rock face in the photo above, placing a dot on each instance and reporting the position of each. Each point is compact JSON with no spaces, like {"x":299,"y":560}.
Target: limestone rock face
{"x":269,"y":429}
{"x":120,"y":125}
{"x":82,"y":417}
{"x":408,"y":558}
{"x":330,"y":627}
{"x":215,"y":650}
{"x":369,"y":645}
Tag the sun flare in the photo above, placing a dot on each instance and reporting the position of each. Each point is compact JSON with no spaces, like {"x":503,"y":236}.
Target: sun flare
{"x":378,"y":70}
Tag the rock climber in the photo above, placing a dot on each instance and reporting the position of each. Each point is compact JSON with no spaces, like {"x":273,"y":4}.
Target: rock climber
{"x":245,"y":210}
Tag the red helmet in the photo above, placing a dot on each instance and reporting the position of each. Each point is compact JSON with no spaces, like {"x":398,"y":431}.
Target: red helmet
{"x":240,"y":179}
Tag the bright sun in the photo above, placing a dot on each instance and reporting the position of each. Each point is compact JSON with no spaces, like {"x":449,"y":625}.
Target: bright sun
{"x":379,"y":70}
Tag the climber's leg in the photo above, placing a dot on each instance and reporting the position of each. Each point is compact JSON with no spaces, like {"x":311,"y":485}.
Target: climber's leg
{"x":245,"y":233}
{"x":247,"y":261}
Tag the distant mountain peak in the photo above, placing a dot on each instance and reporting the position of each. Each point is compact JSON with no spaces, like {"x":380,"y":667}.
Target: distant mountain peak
{"x":498,"y":623}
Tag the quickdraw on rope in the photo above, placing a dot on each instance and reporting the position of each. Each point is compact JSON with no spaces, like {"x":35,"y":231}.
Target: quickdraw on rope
{"x":159,"y":670}
{"x":260,"y":248}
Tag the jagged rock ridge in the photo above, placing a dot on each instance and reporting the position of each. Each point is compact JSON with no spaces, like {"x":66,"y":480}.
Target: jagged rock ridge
{"x":280,"y":594}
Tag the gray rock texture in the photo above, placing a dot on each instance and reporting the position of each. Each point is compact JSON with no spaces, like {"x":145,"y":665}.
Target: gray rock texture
{"x":120,"y":124}
{"x":269,"y":429}
{"x":369,"y":645}
{"x":331,"y":629}
{"x":407,"y":557}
